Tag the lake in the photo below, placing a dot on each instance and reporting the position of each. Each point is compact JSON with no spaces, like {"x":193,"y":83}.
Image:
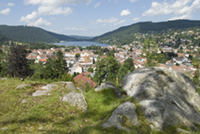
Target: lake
{"x":81,"y":43}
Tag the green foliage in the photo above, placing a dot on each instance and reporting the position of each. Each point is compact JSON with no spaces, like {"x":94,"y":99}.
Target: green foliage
{"x":111,"y":53}
{"x":42,"y":46}
{"x":196,"y":78}
{"x":31,"y":34}
{"x":60,"y":66}
{"x":90,"y":70}
{"x":3,"y":62}
{"x":126,"y":35}
{"x":47,"y":114}
{"x":106,"y":69}
{"x":77,"y":55}
{"x":93,"y":47}
{"x":112,"y":69}
{"x":17,"y":62}
{"x":100,"y":71}
{"x":55,"y":68}
{"x":67,"y":77}
{"x":3,"y":39}
{"x":126,"y":68}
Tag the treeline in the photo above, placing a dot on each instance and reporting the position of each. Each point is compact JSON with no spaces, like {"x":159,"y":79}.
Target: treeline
{"x":3,"y":39}
{"x":126,"y":35}
{"x":43,"y":46}
{"x":14,"y":64}
{"x":29,"y":34}
{"x":109,"y":69}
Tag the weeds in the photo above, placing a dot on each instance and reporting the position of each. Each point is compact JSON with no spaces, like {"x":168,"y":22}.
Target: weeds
{"x":47,"y":114}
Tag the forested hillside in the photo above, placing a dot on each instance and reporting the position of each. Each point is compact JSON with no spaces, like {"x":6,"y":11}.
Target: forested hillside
{"x":31,"y":34}
{"x":3,"y":39}
{"x":126,"y":34}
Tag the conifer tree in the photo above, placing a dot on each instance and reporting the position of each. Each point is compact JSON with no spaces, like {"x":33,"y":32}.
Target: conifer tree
{"x":17,"y":62}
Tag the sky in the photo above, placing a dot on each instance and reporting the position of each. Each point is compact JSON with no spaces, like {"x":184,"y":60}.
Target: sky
{"x":93,"y":17}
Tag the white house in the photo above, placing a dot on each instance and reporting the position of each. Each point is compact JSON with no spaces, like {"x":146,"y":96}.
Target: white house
{"x":180,"y":60}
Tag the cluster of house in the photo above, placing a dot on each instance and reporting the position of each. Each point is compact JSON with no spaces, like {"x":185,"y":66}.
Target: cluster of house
{"x":80,"y":65}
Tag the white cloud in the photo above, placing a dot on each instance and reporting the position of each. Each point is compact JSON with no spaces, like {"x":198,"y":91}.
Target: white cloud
{"x":32,"y":20}
{"x":136,"y":18}
{"x":50,"y":10}
{"x":98,"y":4}
{"x":125,"y":12}
{"x":5,"y":11}
{"x":120,"y":22}
{"x":49,"y":7}
{"x":83,"y":29}
{"x":133,"y":1}
{"x":30,"y":17}
{"x":10,"y":4}
{"x":111,"y":20}
{"x":187,"y":16}
{"x":55,"y":2}
{"x":75,"y":29}
{"x":114,"y":0}
{"x":180,"y":9}
{"x":40,"y":22}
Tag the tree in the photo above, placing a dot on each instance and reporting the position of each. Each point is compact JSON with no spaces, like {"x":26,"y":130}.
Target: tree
{"x":196,"y":78}
{"x":3,"y":61}
{"x":90,"y":70}
{"x":17,"y":63}
{"x":100,"y":70}
{"x":77,"y":55}
{"x":60,"y":65}
{"x":93,"y":61}
{"x":112,"y":69}
{"x":0,"y":57}
{"x":126,"y":68}
{"x":131,"y":49}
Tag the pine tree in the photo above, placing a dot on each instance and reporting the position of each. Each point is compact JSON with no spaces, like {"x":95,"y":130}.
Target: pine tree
{"x":100,"y":70}
{"x":60,"y":65}
{"x":17,"y":62}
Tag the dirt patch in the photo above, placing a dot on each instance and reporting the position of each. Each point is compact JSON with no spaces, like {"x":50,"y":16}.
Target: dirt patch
{"x":37,"y":86}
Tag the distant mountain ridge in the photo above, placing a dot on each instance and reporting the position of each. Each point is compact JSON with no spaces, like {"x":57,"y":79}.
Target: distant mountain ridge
{"x":81,"y":37}
{"x":32,"y":34}
{"x":127,"y":32}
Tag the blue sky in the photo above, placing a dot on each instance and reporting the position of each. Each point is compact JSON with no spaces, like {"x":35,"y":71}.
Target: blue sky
{"x":93,"y":17}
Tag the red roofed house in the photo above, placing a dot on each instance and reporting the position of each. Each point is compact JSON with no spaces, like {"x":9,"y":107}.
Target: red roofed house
{"x":81,"y":79}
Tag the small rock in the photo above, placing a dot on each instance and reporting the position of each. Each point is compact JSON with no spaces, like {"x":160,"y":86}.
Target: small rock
{"x":69,"y":85}
{"x":80,"y":90}
{"x":104,"y":86}
{"x":40,"y":128}
{"x":108,"y":85}
{"x":23,"y":86}
{"x":3,"y":78}
{"x":127,"y":109}
{"x":76,"y":99}
{"x":4,"y":128}
{"x":182,"y":131}
{"x":45,"y":91}
{"x":24,"y":100}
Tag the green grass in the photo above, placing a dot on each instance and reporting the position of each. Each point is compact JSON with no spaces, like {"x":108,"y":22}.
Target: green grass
{"x":47,"y":114}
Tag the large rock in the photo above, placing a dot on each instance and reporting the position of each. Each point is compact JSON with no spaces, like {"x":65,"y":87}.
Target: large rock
{"x":126,"y":109}
{"x":3,"y":78}
{"x":108,"y":85}
{"x":76,"y":99}
{"x":104,"y":86}
{"x":69,"y":85}
{"x":166,"y":97}
{"x":23,"y":86}
{"x":46,"y":89}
